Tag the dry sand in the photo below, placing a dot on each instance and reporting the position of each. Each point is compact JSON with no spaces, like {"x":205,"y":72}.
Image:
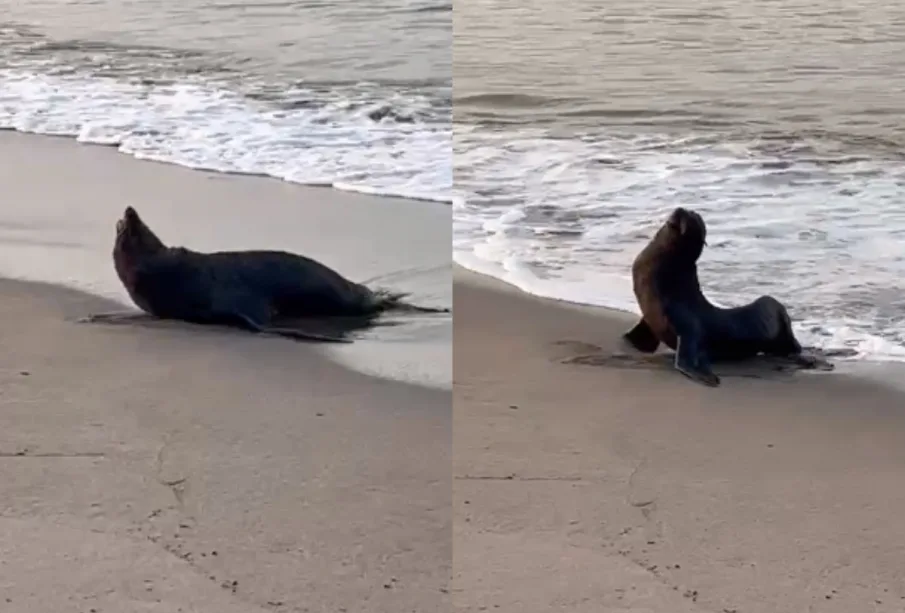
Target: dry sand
{"x":586,"y":487}
{"x":167,"y":469}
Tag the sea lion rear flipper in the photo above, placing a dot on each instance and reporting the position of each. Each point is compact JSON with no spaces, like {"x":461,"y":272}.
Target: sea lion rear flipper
{"x":642,"y":338}
{"x":691,"y":357}
{"x":385,"y":300}
{"x":774,"y":317}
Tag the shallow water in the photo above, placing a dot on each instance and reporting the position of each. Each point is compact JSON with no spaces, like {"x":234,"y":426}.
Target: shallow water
{"x":782,"y":123}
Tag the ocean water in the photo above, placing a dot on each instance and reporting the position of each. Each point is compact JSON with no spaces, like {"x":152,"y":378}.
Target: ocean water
{"x":350,"y":95}
{"x":345,"y":95}
{"x":580,"y":126}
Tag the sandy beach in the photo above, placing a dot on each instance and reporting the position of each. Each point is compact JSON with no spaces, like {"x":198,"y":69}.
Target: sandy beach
{"x":584,"y":486}
{"x":172,"y":469}
{"x":157,"y":467}
{"x":165,"y":467}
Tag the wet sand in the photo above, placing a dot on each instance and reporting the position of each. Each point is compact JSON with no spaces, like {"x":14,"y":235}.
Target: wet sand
{"x":584,"y":483}
{"x":61,"y":200}
{"x":186,"y":469}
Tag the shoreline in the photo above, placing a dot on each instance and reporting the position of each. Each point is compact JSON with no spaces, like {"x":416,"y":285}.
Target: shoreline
{"x":60,"y":231}
{"x":590,"y":484}
{"x":881,"y":370}
{"x":227,"y":173}
{"x":887,"y":373}
{"x":174,"y":467}
{"x":345,"y":140}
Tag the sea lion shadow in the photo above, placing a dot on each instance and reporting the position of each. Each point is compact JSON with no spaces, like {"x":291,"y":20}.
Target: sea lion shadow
{"x":623,"y":356}
{"x":332,"y":326}
{"x":349,"y":329}
{"x":335,"y":329}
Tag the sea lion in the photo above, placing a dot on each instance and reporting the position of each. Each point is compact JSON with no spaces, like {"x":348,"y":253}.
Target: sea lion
{"x":676,"y":313}
{"x":252,"y":290}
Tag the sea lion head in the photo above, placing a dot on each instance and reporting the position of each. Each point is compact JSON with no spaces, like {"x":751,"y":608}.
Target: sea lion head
{"x":685,"y":232}
{"x":134,"y":241}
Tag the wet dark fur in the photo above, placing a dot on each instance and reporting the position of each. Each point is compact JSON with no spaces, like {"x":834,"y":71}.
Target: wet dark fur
{"x":676,"y":312}
{"x":250,"y":289}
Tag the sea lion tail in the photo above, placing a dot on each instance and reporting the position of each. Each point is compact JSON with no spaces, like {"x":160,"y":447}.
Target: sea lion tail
{"x":385,"y":300}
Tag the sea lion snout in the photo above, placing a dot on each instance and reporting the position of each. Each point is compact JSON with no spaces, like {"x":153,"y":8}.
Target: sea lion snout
{"x":130,"y":215}
{"x":133,"y":235}
{"x":129,"y":218}
{"x":689,"y":224}
{"x":677,"y":215}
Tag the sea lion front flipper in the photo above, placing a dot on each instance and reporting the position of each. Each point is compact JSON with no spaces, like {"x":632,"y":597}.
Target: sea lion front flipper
{"x":406,"y":307}
{"x":250,"y":323}
{"x":642,"y":338}
{"x":253,"y":314}
{"x":115,"y":317}
{"x":691,"y":358}
{"x":693,"y":364}
{"x":301,"y":335}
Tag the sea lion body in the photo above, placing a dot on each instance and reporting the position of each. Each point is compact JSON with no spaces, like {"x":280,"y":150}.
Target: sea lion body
{"x":249,"y":289}
{"x":675,"y":311}
{"x":180,"y":283}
